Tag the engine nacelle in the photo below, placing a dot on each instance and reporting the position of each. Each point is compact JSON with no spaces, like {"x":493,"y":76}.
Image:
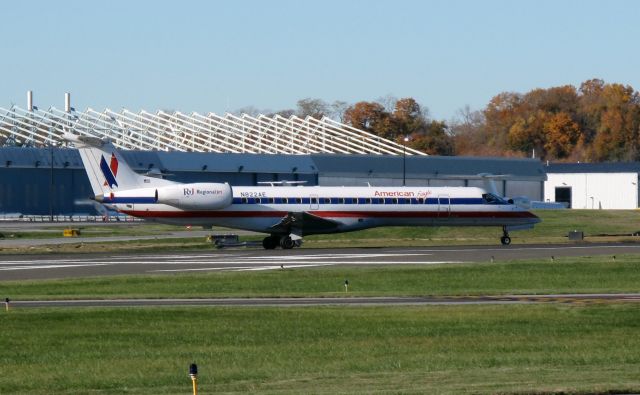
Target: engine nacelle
{"x":196,"y":196}
{"x":521,"y":201}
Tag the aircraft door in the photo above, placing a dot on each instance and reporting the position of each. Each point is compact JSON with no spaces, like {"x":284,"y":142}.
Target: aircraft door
{"x":444,"y":206}
{"x":314,"y":202}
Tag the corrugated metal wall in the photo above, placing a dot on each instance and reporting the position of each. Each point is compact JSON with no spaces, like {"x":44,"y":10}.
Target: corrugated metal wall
{"x":27,"y":186}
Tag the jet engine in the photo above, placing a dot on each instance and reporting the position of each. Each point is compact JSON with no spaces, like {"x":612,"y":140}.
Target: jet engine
{"x":521,"y":201}
{"x":195,"y":196}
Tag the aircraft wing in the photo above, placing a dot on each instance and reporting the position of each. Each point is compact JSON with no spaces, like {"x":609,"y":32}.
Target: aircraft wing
{"x":304,"y":223}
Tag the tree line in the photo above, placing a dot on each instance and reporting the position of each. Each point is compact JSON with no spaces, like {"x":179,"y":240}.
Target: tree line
{"x":597,"y":121}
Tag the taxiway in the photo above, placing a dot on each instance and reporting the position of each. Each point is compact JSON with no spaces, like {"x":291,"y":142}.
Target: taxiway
{"x":26,"y":267}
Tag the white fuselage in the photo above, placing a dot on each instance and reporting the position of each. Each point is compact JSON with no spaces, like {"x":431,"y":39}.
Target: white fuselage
{"x":352,"y":208}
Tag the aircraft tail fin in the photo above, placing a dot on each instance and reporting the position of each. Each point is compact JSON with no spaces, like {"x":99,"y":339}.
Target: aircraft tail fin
{"x":490,"y":182}
{"x":106,"y":168}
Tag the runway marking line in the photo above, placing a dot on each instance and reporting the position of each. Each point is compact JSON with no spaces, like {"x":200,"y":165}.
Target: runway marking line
{"x":47,"y":267}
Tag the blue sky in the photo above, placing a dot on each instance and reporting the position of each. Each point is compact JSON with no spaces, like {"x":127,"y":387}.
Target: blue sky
{"x":216,"y":56}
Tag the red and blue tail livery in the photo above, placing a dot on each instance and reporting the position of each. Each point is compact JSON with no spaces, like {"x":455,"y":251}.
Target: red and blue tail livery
{"x":109,"y":171}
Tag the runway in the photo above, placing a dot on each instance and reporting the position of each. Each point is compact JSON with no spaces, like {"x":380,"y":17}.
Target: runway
{"x":31,"y":267}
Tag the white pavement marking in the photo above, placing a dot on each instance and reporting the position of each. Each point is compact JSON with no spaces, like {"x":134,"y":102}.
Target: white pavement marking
{"x":524,"y":248}
{"x":208,"y":259}
{"x":241,"y":268}
{"x":120,"y":257}
{"x":330,"y":256}
{"x":290,"y":265}
{"x":46,"y":267}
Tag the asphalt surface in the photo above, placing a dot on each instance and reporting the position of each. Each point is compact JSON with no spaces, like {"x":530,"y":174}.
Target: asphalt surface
{"x":55,"y":230}
{"x":27,"y":267}
{"x":30,"y":267}
{"x":346,"y":301}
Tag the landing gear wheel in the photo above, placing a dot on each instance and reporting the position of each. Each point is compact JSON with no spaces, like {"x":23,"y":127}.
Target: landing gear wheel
{"x":505,"y":240}
{"x":270,"y":242}
{"x":286,"y":243}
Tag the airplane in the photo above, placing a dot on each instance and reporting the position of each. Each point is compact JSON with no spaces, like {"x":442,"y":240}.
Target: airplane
{"x":288,"y":213}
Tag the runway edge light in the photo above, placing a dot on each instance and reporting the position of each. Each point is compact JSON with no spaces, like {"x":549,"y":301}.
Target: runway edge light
{"x":193,"y":373}
{"x":6,"y":304}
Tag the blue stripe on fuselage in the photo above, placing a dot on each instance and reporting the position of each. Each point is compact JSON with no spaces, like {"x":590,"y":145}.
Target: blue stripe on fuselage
{"x":334,"y":201}
{"x":136,"y":200}
{"x":361,"y":201}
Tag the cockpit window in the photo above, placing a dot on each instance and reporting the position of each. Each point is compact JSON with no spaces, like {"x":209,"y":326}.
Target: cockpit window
{"x":490,"y":198}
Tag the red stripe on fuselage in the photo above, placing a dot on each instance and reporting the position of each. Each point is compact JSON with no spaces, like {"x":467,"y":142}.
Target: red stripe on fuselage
{"x":424,"y":214}
{"x":332,"y":214}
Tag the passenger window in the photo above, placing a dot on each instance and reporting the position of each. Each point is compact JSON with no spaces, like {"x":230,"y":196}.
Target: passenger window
{"x":245,"y":200}
{"x":394,"y":201}
{"x":368,"y":200}
{"x":271,"y":200}
{"x":420,"y":201}
{"x":298,"y":200}
{"x":314,"y":200}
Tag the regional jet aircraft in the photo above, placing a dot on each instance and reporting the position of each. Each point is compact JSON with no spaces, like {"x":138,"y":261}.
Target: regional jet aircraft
{"x":287,"y":213}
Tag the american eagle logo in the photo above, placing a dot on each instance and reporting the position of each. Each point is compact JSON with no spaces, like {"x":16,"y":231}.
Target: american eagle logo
{"x":110,"y":171}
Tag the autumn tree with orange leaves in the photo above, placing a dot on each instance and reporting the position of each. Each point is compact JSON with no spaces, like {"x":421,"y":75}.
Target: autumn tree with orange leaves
{"x":595,"y":122}
{"x":408,"y":120}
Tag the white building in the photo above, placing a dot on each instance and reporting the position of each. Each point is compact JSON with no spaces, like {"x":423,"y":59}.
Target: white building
{"x":608,"y":186}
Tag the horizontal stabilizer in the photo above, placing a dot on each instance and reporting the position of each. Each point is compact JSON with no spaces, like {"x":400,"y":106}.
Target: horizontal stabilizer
{"x":84,"y":141}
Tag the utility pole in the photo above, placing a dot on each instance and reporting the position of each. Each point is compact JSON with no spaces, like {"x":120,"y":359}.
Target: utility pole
{"x":404,"y":160}
{"x":51,"y":197}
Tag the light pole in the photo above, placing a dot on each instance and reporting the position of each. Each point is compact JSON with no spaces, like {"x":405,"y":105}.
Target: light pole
{"x":51,"y":197}
{"x":404,"y":160}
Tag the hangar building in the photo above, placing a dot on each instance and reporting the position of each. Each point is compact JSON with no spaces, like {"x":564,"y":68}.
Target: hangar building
{"x":41,"y":176}
{"x":593,"y":185}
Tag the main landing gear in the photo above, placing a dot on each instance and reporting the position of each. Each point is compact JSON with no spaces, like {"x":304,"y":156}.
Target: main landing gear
{"x":285,"y":242}
{"x":505,"y":239}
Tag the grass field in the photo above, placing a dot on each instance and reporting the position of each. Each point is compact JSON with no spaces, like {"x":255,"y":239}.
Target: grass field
{"x":88,"y":230}
{"x":447,"y":350}
{"x":482,"y":349}
{"x":564,"y":275}
{"x":598,"y":226}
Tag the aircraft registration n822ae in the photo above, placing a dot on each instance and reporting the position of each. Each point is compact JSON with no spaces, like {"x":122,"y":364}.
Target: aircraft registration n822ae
{"x":287,"y":213}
